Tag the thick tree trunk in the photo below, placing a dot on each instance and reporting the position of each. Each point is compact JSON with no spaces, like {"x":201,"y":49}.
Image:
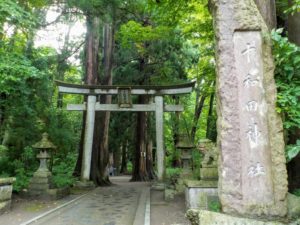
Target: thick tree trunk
{"x":91,"y":73}
{"x":139,"y":167}
{"x":267,"y":9}
{"x":100,"y":155}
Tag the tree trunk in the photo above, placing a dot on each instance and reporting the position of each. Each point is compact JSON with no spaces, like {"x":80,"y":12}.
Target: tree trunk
{"x":267,"y":10}
{"x":198,"y":110}
{"x":100,"y":155}
{"x":139,"y":167}
{"x":210,"y":126}
{"x":91,"y":74}
{"x":149,"y":159}
{"x":62,"y":64}
{"x":117,"y":159}
{"x":123,"y":169}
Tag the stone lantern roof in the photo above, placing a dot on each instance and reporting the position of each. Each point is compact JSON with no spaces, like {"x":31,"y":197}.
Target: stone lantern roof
{"x":44,"y":143}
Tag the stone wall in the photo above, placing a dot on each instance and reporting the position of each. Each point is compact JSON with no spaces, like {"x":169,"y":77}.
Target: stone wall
{"x":5,"y":193}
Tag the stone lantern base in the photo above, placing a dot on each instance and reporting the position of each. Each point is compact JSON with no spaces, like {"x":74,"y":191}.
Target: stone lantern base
{"x":40,"y":183}
{"x":40,"y":187}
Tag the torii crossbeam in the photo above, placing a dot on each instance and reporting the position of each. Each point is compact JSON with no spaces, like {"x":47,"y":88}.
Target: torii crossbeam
{"x":124,"y":95}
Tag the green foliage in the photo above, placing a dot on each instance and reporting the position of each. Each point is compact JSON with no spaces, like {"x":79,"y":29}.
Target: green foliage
{"x":129,"y":167}
{"x":22,"y":168}
{"x":214,"y":206}
{"x":12,"y":13}
{"x":292,"y":151}
{"x":26,"y":99}
{"x":172,"y":174}
{"x":287,"y":75}
{"x":63,"y":169}
{"x":294,"y":8}
{"x":136,"y":33}
{"x":297,"y":192}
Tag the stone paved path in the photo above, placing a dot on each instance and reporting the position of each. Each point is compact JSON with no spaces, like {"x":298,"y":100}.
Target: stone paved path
{"x":114,"y":205}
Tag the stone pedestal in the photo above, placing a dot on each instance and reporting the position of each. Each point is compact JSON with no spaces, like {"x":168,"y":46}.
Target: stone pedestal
{"x":200,"y":194}
{"x":41,"y":187}
{"x":203,"y":217}
{"x":39,"y":184}
{"x":5,"y":193}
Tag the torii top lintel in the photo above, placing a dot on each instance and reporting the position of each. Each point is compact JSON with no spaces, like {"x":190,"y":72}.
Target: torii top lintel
{"x":176,"y":89}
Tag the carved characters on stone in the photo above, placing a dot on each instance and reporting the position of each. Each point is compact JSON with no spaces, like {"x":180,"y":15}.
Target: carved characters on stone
{"x":256,"y":170}
{"x":253,"y":132}
{"x":249,"y":50}
{"x":252,"y":106}
{"x":252,"y":78}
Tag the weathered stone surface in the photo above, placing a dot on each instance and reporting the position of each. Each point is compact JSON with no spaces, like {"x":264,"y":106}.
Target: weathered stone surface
{"x":5,"y":206}
{"x":7,"y":180}
{"x":212,"y":218}
{"x":209,"y":173}
{"x":169,"y":194}
{"x":193,"y":216}
{"x":5,"y":192}
{"x":252,"y":171}
{"x":293,"y":205}
{"x":201,"y":183}
{"x":199,"y":193}
{"x":198,"y":198}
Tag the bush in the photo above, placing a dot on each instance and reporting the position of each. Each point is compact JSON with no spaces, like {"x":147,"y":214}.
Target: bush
{"x":287,"y":77}
{"x":214,"y":206}
{"x":22,"y":168}
{"x":62,"y":171}
{"x":129,"y":167}
{"x":172,"y":174}
{"x":297,"y":192}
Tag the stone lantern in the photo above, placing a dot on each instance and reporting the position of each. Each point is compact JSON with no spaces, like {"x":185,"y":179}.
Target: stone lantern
{"x":41,"y":180}
{"x":185,"y":146}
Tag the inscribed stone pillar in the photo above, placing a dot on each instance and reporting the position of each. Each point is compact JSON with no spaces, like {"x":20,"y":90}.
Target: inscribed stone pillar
{"x":88,"y":138}
{"x":159,"y":120}
{"x":252,"y":171}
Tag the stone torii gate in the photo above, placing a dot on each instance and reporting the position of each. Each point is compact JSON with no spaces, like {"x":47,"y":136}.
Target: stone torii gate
{"x":124,"y":104}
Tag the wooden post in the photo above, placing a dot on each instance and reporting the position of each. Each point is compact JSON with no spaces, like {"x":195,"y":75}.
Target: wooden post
{"x":159,"y":112}
{"x":88,"y":138}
